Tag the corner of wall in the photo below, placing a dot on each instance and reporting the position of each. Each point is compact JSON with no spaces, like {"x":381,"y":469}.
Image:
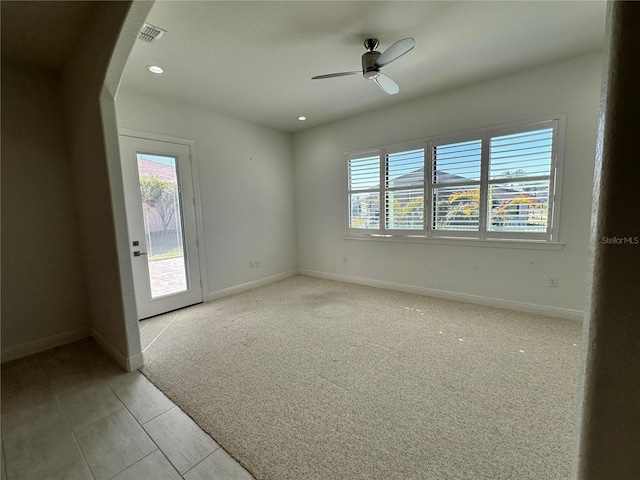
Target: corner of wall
{"x":91,"y":81}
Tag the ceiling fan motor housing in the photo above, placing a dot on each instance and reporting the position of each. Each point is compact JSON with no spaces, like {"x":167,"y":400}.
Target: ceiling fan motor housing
{"x":373,"y":61}
{"x":370,"y":68}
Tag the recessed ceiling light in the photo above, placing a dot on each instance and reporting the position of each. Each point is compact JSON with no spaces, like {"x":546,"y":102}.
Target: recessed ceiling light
{"x":301,"y":118}
{"x":155,"y":69}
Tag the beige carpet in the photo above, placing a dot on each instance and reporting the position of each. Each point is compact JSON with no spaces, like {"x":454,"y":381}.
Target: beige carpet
{"x":308,"y":378}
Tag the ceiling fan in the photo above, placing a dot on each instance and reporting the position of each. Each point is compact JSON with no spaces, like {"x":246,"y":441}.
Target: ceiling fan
{"x":373,"y":61}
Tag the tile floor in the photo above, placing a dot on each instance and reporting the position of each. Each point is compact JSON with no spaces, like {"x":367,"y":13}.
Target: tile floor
{"x":73,"y":413}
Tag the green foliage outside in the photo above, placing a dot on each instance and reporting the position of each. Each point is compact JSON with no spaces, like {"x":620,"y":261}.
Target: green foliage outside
{"x":161,"y":196}
{"x":466,"y":203}
{"x":459,"y":206}
{"x":409,"y":215}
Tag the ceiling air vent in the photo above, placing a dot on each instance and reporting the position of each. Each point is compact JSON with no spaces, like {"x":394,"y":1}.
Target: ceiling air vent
{"x":149,"y":33}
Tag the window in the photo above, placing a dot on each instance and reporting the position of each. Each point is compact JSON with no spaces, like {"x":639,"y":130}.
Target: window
{"x":455,"y":198}
{"x":492,"y":184}
{"x":364,"y":192}
{"x":404,"y":190}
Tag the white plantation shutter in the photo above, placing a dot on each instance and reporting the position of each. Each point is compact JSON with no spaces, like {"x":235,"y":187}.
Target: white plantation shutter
{"x":491,"y":184}
{"x":404,"y":190}
{"x":456,"y":171}
{"x":363,"y":178}
{"x":520,"y":172}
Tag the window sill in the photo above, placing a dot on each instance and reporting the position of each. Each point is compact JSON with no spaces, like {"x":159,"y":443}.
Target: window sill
{"x":465,"y":242}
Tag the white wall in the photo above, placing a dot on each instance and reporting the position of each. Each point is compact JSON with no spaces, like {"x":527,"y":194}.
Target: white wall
{"x":44,"y":298}
{"x":246,"y":184}
{"x":92,"y":141}
{"x":517,"y":275}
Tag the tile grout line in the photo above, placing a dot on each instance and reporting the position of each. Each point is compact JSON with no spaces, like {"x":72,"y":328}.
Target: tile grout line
{"x":197,"y":426}
{"x":135,"y":463}
{"x":143,"y":429}
{"x":97,"y":420}
{"x":154,"y":442}
{"x":162,"y":413}
{"x":66,"y":418}
{"x":158,"y":448}
{"x":151,"y":419}
{"x":219,"y":447}
{"x":125,"y":406}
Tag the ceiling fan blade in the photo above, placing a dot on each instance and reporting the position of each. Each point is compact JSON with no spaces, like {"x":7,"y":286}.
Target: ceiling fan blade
{"x":331,"y":75}
{"x":386,"y":84}
{"x":395,"y":51}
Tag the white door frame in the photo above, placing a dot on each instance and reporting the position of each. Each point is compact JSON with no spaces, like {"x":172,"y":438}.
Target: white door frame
{"x":196,"y":192}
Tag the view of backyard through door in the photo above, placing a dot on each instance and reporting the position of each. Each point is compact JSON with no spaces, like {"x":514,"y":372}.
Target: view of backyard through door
{"x":161,"y":218}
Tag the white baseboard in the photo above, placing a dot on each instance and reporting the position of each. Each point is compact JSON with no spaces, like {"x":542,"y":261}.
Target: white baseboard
{"x":249,"y":285}
{"x":37,"y":346}
{"x":461,"y":297}
{"x":135,"y":362}
{"x":116,"y":354}
{"x":128,"y":363}
{"x":29,"y":348}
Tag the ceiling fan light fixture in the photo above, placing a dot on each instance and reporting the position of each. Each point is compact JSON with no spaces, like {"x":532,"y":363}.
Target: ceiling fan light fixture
{"x":372,"y":61}
{"x":155,"y":69}
{"x":371,"y":74}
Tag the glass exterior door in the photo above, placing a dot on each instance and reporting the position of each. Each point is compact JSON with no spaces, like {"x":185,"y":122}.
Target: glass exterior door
{"x":161,"y":218}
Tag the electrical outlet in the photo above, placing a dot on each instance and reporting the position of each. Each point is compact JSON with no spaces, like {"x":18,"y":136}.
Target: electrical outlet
{"x":553,"y":282}
{"x":344,"y":259}
{"x":251,"y":265}
{"x":257,"y":264}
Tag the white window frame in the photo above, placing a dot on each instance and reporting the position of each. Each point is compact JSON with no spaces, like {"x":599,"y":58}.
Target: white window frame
{"x":428,"y":233}
{"x":553,"y":207}
{"x":446,"y":140}
{"x":357,"y":156}
{"x":390,"y":150}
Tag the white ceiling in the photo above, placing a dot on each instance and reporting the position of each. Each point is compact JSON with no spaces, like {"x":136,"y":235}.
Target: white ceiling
{"x":255,"y":60}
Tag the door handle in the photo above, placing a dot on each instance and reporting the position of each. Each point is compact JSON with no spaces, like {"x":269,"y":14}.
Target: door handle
{"x":138,"y":253}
